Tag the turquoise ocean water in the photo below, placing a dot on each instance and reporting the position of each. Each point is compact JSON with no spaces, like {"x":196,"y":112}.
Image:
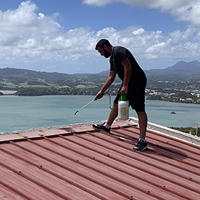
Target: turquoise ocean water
{"x":23,"y":113}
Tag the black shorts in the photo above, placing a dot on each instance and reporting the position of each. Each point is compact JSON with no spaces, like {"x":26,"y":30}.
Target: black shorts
{"x":136,"y":96}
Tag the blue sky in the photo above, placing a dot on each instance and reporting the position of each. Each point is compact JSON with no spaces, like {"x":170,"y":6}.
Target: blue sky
{"x":60,"y":35}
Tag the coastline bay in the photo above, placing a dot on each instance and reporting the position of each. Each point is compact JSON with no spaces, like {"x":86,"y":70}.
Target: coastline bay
{"x":24,"y":113}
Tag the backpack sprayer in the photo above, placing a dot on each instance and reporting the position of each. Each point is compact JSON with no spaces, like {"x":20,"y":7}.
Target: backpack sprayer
{"x":93,"y":101}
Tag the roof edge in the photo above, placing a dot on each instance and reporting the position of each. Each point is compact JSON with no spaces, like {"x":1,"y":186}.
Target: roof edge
{"x":169,"y":132}
{"x":40,"y":132}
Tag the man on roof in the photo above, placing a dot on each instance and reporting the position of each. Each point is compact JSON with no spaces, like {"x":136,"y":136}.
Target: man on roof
{"x":133,"y":85}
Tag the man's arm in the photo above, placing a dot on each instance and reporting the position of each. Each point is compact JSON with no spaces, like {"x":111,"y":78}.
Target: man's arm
{"x":127,"y":75}
{"x":109,"y":81}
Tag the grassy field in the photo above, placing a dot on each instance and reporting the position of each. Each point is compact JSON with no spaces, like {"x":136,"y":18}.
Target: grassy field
{"x":86,"y":86}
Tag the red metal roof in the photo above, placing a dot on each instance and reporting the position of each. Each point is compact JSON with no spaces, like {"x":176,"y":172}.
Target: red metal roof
{"x":80,"y":163}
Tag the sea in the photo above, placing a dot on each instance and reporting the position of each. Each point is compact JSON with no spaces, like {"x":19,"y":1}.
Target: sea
{"x":24,"y":113}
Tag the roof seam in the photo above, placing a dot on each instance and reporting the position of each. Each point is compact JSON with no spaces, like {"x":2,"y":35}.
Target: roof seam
{"x":133,"y":176}
{"x":138,"y":168}
{"x":129,"y":174}
{"x":166,"y":162}
{"x":116,"y":191}
{"x":62,"y":166}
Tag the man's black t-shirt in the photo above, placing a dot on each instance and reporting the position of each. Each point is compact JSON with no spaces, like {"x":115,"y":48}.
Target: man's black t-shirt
{"x":119,"y":54}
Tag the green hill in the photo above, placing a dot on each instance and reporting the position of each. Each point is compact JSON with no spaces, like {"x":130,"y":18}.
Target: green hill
{"x":182,"y":76}
{"x":29,"y":82}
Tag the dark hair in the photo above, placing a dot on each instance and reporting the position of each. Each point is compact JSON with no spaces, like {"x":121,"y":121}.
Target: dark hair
{"x":103,"y":42}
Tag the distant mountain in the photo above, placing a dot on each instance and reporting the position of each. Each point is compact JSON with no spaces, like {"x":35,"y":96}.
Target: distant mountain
{"x":11,"y":78}
{"x":16,"y":76}
{"x":180,"y":69}
{"x":104,"y":73}
{"x":24,"y":75}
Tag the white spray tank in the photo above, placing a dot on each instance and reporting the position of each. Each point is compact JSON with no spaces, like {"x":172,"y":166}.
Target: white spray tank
{"x":123,"y":107}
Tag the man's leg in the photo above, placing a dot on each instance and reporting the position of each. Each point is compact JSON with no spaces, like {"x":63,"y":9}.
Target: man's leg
{"x":113,"y":114}
{"x":142,"y":119}
{"x":107,"y":126}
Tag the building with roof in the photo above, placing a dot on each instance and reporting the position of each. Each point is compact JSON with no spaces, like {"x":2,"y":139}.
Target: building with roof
{"x":78,"y":163}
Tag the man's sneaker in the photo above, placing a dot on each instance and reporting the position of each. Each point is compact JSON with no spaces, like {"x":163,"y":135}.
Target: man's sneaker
{"x":141,"y":146}
{"x":101,"y":127}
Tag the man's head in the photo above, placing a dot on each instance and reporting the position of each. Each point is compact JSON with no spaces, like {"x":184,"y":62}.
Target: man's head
{"x":104,"y":48}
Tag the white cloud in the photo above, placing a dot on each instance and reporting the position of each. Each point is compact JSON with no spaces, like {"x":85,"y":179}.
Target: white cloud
{"x":97,"y":2}
{"x":183,"y":10}
{"x":29,"y":37}
{"x":189,"y":12}
{"x":147,"y":45}
{"x":164,"y":4}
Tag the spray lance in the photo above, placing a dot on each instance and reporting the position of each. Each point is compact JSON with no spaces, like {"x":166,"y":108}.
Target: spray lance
{"x":93,"y":101}
{"x":86,"y":105}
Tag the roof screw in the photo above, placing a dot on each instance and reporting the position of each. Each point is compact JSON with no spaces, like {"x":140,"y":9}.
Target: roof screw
{"x":40,"y":166}
{"x":148,"y":192}
{"x":19,"y":172}
{"x":190,"y":178}
{"x":164,"y":187}
{"x":77,"y":161}
{"x":131,"y":198}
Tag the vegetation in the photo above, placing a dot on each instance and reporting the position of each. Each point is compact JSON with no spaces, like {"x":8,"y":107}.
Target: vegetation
{"x":38,"y":91}
{"x":32,"y":83}
{"x":189,"y":130}
{"x":174,"y":96}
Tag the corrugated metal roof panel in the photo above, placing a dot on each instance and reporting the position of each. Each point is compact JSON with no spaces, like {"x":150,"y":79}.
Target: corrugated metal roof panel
{"x":80,"y":163}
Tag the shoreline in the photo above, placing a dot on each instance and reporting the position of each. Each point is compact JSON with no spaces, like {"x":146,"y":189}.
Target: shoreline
{"x":12,"y":95}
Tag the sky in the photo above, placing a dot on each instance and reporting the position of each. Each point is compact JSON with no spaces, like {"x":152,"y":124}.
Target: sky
{"x":61,"y":35}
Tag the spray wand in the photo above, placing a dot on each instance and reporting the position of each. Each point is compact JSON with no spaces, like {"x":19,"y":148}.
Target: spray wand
{"x":93,"y":101}
{"x":86,"y":105}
